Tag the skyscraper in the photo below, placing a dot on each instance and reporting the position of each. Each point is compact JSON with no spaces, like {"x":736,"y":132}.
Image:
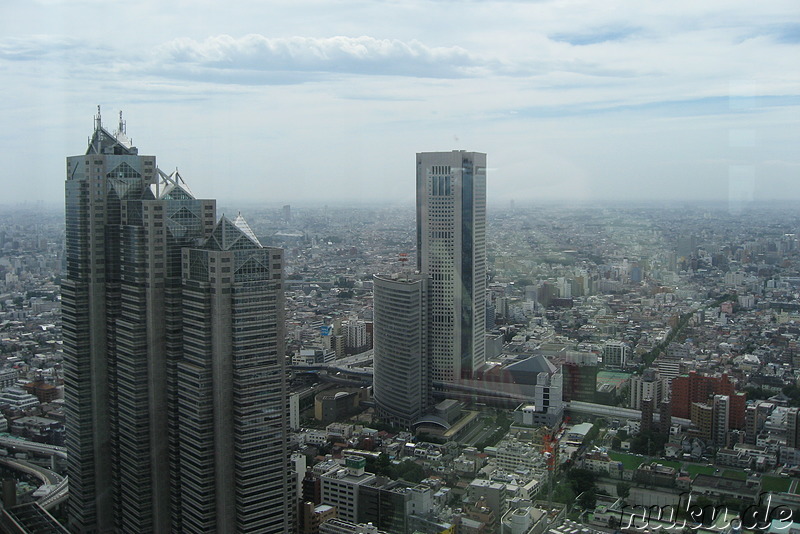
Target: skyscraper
{"x":102,"y":188}
{"x":430,"y":325}
{"x":232,"y":400}
{"x":123,"y":301}
{"x":451,"y":250}
{"x":401,"y":384}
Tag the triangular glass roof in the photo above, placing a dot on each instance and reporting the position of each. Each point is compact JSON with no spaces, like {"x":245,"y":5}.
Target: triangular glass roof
{"x":244,"y":227}
{"x":104,"y":142}
{"x":228,"y":235}
{"x":177,"y":192}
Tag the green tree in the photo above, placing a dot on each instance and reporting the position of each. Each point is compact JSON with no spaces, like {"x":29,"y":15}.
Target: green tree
{"x":588,"y":499}
{"x":563,"y":493}
{"x":410,"y":471}
{"x":581,"y":480}
{"x":623,"y":490}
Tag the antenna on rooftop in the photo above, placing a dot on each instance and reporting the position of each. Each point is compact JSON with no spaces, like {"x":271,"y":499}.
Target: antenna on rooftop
{"x":97,"y":121}
{"x":121,"y":128}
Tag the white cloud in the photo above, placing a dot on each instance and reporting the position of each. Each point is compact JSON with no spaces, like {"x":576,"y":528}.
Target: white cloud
{"x":564,"y":87}
{"x":354,"y":55}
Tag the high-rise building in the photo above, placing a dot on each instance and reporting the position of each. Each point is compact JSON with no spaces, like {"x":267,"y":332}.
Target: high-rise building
{"x":721,"y":417}
{"x":451,"y":251}
{"x":756,"y":416}
{"x":401,"y":385}
{"x":665,"y":416}
{"x":580,"y":376}
{"x":647,"y":386}
{"x":340,"y":487}
{"x":702,"y":416}
{"x":355,"y":336}
{"x":647,"y":406}
{"x":106,"y":190}
{"x":694,"y":387}
{"x":232,"y":400}
{"x":128,"y":314}
{"x":793,"y":428}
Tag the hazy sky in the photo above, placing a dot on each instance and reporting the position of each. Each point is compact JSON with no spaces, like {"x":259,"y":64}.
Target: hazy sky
{"x":280,"y":101}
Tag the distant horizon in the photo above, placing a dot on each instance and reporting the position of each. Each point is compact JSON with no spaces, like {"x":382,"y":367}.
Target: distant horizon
{"x":492,"y":205}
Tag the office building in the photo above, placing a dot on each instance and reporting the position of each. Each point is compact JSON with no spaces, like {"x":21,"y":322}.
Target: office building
{"x":106,"y":190}
{"x":451,"y":251}
{"x":616,"y":354}
{"x":341,"y":526}
{"x":127,"y":307}
{"x":232,"y":401}
{"x":793,"y":428}
{"x":694,"y":387}
{"x":341,"y":485}
{"x":580,"y":376}
{"x":401,"y":385}
{"x":431,"y":326}
{"x":647,"y":386}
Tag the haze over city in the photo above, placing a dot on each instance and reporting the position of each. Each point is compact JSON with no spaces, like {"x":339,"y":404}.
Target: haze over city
{"x":327,"y":101}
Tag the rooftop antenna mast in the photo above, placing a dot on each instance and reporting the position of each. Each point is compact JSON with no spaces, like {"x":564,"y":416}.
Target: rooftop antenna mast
{"x":121,"y":128}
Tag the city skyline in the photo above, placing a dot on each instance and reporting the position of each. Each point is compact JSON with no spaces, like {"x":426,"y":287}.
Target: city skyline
{"x":575,"y":101}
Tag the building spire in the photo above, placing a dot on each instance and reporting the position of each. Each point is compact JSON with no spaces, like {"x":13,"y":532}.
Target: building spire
{"x":97,"y":121}
{"x":121,"y":127}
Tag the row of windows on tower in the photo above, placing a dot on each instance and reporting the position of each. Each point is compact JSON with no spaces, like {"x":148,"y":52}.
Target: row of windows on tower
{"x":439,"y":186}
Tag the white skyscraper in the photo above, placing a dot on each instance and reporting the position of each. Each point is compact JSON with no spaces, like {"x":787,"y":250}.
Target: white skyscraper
{"x":451,"y":250}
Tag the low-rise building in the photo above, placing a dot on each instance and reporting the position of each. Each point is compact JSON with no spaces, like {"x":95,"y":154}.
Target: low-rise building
{"x":599,"y":462}
{"x":655,"y":474}
{"x":723,"y":487}
{"x":340,"y":487}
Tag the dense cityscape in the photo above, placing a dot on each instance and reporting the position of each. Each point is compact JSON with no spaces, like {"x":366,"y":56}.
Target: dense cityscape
{"x":459,"y":367}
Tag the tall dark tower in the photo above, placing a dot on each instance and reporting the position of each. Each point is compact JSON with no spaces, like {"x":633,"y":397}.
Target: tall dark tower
{"x":99,"y":186}
{"x":232,"y":401}
{"x":123,"y":302}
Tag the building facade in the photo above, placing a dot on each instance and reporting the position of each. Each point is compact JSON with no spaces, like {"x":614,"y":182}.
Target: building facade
{"x":694,"y":387}
{"x":101,"y":185}
{"x":401,"y":380}
{"x":616,"y":354}
{"x":232,"y":391}
{"x":647,"y":386}
{"x":451,"y":251}
{"x":126,"y":311}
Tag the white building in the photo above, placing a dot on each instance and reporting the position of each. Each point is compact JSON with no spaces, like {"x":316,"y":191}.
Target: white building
{"x":355,"y":335}
{"x":340,"y":487}
{"x":451,"y":250}
{"x":17,"y":399}
{"x":647,"y":386}
{"x":514,"y":456}
{"x":616,"y":354}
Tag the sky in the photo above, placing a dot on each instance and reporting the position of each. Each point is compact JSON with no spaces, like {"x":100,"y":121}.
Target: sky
{"x":327,"y":101}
